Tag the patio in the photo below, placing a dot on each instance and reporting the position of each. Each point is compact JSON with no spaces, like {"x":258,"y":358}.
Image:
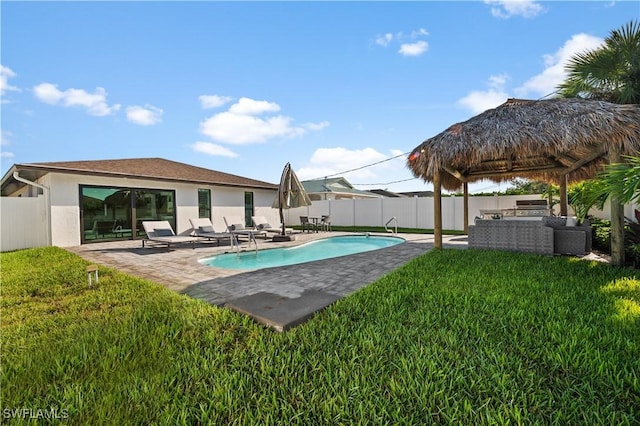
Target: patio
{"x":279,"y":297}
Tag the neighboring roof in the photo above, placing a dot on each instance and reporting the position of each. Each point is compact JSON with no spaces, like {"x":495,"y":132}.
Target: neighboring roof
{"x":417,"y":194}
{"x":338,"y":185}
{"x":388,"y":194}
{"x":545,"y":140}
{"x":140,"y":168}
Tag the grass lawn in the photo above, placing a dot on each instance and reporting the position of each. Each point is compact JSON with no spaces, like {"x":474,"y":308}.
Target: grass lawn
{"x":454,"y":336}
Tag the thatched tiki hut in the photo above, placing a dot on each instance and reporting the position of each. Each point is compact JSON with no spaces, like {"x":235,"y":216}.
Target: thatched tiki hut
{"x":555,"y":140}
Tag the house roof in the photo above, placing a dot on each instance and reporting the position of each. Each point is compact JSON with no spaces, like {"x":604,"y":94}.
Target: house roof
{"x":337,"y":185}
{"x":140,"y":168}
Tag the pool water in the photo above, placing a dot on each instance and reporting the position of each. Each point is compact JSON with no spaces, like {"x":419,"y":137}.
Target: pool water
{"x":325,"y":248}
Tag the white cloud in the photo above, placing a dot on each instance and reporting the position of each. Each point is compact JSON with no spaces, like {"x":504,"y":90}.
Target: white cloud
{"x":478,"y":101}
{"x":213,"y":149}
{"x":147,"y":115}
{"x":240,"y":129}
{"x":48,"y":93}
{"x":554,"y":66}
{"x":507,"y":8}
{"x":316,"y":126}
{"x":95,"y":103}
{"x":5,"y":139}
{"x":410,"y":44}
{"x":247,"y":106}
{"x":384,"y":39}
{"x":540,"y":85}
{"x":213,"y":101}
{"x":247,"y":122}
{"x":419,"y":33}
{"x":329,"y":161}
{"x":413,"y":49}
{"x":5,"y":74}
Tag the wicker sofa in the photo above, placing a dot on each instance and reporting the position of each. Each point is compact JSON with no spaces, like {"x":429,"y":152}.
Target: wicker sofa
{"x":548,"y":236}
{"x":529,"y":236}
{"x":574,"y":240}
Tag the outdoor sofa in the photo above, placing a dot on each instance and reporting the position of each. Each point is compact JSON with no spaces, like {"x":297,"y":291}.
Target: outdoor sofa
{"x":548,"y":235}
{"x":529,"y":236}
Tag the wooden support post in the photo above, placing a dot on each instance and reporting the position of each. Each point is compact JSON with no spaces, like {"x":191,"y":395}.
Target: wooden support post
{"x":563,"y":196}
{"x":617,"y":220}
{"x":465,"y":189}
{"x":437,"y":210}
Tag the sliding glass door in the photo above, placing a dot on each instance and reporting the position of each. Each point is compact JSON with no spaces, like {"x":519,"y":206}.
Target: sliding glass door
{"x":108,"y":213}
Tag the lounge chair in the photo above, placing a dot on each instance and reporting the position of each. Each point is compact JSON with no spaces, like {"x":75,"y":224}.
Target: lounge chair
{"x":160,"y":231}
{"x":261,"y":224}
{"x":203,"y":228}
{"x":237,"y":228}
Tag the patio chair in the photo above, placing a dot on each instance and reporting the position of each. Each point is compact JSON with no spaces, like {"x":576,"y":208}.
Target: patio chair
{"x":305,"y":223}
{"x":568,"y":237}
{"x":261,"y":224}
{"x":160,"y":231}
{"x":203,"y":228}
{"x":325,"y":222}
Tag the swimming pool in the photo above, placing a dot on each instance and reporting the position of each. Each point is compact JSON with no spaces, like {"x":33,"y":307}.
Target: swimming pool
{"x":324,"y":248}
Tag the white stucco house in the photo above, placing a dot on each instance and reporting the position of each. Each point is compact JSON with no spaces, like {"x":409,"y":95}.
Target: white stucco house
{"x":77,"y":202}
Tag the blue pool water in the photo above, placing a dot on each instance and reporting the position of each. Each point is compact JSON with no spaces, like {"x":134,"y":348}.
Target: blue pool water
{"x":315,"y":250}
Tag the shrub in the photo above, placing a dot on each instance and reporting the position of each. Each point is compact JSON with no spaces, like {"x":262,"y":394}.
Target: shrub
{"x":601,"y":229}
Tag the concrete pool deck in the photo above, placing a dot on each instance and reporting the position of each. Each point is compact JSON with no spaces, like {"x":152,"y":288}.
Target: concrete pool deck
{"x":280,"y":297}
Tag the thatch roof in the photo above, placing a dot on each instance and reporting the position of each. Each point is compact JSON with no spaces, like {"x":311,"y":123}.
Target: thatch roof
{"x":535,"y":139}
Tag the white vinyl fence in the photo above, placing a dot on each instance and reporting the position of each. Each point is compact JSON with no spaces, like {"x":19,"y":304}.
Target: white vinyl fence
{"x":23,"y":223}
{"x":415,"y":212}
{"x":24,"y":220}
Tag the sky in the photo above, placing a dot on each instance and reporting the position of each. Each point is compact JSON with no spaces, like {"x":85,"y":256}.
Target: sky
{"x":245,"y":87}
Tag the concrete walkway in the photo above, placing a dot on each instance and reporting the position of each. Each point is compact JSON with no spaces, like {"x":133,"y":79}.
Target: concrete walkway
{"x":279,"y":297}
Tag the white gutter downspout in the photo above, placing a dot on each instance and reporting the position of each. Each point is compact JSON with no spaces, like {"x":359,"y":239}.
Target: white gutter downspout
{"x":47,"y":198}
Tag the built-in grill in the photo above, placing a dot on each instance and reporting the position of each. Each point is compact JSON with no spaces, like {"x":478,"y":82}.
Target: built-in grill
{"x":526,"y":208}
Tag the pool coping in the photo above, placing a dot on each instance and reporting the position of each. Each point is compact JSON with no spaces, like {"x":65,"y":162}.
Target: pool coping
{"x":250,"y":252}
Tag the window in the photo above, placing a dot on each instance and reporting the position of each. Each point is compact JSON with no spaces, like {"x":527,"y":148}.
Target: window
{"x":248,"y":208}
{"x":204,"y":203}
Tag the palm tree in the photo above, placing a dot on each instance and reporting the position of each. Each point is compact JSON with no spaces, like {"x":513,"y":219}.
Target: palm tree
{"x":610,"y":73}
{"x":621,"y":180}
{"x":585,"y":195}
